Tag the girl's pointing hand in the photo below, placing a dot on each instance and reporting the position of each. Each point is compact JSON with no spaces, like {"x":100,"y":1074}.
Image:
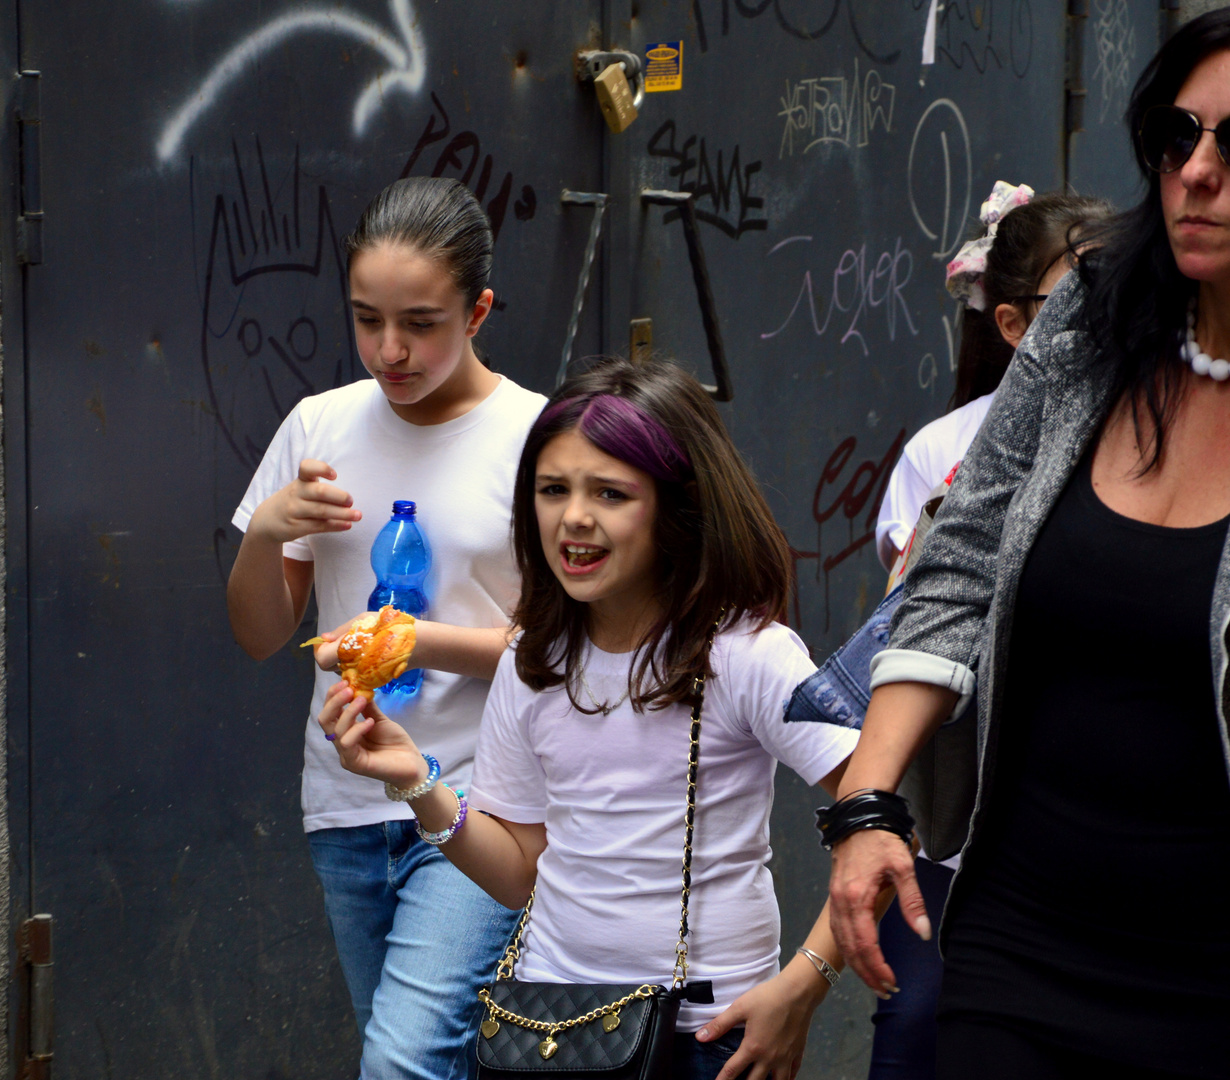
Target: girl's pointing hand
{"x":308,"y":504}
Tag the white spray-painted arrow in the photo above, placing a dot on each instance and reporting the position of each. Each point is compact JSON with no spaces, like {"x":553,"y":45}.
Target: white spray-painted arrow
{"x":408,"y":58}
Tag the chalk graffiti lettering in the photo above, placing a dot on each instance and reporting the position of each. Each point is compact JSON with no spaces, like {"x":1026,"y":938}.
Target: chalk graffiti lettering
{"x":405,"y":52}
{"x":461,"y":155}
{"x":808,"y":20}
{"x":859,"y":286}
{"x":833,"y":108}
{"x":732,"y":208}
{"x":862,"y":491}
{"x":933,"y":154}
{"x":1115,"y":39}
{"x":968,"y":30}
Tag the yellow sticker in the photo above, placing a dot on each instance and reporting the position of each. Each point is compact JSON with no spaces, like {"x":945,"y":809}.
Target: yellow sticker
{"x":664,"y":66}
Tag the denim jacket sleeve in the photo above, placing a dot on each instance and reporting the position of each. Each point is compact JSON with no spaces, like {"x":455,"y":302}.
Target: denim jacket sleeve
{"x":937,"y":631}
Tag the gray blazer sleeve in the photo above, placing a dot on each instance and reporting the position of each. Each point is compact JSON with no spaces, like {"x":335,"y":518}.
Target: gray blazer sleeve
{"x":937,"y":630}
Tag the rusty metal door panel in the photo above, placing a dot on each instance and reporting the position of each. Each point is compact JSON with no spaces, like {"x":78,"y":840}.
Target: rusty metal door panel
{"x":199,"y":163}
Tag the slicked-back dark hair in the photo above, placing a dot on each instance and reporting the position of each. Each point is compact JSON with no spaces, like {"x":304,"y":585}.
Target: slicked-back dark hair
{"x":719,"y":548}
{"x":437,"y":217}
{"x":1136,"y":311}
{"x":1029,"y":241}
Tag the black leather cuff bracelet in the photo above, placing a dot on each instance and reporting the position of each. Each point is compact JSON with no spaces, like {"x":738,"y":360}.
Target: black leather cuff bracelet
{"x":865,"y":809}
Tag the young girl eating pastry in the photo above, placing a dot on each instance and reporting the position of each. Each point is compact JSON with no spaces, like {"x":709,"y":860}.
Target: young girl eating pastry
{"x":638,"y":530}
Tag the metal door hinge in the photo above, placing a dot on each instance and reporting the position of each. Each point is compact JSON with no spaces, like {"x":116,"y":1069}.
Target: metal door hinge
{"x":35,"y":953}
{"x":1074,"y":62}
{"x":29,"y":150}
{"x":640,"y":340}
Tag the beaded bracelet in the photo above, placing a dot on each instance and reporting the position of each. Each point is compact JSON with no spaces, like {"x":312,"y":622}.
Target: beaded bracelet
{"x":820,"y":964}
{"x":406,"y":794}
{"x":445,"y":835}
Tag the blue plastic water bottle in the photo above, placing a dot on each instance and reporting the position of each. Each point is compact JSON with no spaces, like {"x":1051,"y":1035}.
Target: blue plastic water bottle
{"x":401,"y":559}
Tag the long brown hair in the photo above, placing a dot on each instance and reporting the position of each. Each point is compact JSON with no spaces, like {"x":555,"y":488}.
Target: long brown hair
{"x":721,"y":553}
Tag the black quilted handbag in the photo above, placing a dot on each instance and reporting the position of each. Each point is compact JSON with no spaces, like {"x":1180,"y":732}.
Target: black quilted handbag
{"x":570,"y":1031}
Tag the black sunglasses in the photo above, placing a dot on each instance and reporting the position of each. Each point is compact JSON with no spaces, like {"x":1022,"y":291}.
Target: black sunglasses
{"x":1168,"y":137}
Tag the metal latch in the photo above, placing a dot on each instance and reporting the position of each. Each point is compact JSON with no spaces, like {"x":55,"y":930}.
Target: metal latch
{"x":684,"y":202}
{"x":597,"y":200}
{"x":35,"y":952}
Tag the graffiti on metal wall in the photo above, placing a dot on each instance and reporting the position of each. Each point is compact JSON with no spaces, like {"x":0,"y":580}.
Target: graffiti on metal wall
{"x":1114,"y":39}
{"x":460,"y":156}
{"x":941,"y":147}
{"x":986,"y":34}
{"x":806,"y":20}
{"x":275,"y":313}
{"x":723,"y":194}
{"x":402,"y":47}
{"x":861,"y":286}
{"x":854,"y":494}
{"x":835,"y":110}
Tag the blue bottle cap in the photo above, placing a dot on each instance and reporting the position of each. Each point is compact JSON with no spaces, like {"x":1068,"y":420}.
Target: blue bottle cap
{"x":403,"y":506}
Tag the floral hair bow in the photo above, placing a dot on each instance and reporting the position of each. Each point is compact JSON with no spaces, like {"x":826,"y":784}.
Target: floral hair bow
{"x":966,"y":270}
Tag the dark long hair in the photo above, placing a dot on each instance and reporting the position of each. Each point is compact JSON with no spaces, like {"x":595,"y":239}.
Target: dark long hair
{"x":720,"y":551}
{"x":437,"y":217}
{"x":1136,"y":311}
{"x":1029,"y":241}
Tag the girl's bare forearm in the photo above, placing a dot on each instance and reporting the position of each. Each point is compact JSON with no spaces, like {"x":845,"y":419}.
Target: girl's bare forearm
{"x":500,"y":857}
{"x":266,"y":595}
{"x":461,"y":650}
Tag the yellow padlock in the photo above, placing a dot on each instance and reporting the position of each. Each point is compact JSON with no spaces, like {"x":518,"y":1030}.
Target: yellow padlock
{"x":615,"y":97}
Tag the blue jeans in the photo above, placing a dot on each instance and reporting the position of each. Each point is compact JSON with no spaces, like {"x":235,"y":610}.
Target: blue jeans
{"x":703,"y":1061}
{"x":416,"y":939}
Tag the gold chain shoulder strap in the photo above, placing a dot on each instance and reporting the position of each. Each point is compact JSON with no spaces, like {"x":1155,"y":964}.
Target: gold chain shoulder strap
{"x":513,"y":953}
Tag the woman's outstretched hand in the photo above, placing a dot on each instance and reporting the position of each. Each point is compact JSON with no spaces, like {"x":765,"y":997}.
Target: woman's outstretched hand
{"x":776,"y":1016}
{"x":368,"y":742}
{"x":864,"y":864}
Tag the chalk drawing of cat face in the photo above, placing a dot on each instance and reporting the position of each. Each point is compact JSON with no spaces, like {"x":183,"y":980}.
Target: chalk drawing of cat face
{"x":275,"y":321}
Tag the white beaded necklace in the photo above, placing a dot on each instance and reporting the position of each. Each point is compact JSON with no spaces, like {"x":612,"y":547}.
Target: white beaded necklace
{"x":1201,"y":362}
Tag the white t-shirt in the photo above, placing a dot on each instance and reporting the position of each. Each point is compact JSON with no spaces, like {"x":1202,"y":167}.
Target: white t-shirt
{"x":460,"y":474}
{"x":925,"y":461}
{"x":612,"y":792}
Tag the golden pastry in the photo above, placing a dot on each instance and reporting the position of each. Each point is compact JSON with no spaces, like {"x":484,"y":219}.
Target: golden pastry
{"x":375,"y":650}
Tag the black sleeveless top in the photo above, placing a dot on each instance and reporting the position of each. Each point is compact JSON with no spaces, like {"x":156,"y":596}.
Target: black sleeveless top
{"x":1094,"y":905}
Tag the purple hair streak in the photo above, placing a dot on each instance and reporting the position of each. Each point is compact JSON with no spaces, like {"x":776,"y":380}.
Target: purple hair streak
{"x":620,"y":428}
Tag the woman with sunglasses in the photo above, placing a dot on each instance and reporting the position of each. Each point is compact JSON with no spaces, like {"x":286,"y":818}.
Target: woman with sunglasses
{"x":1078,"y":575}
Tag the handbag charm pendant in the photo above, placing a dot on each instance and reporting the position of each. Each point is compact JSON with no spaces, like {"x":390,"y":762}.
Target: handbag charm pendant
{"x":547,"y":1048}
{"x":610,"y":1022}
{"x":489,"y":1028}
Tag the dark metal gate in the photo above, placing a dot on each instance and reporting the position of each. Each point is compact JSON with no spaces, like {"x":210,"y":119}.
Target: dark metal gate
{"x":183,"y":170}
